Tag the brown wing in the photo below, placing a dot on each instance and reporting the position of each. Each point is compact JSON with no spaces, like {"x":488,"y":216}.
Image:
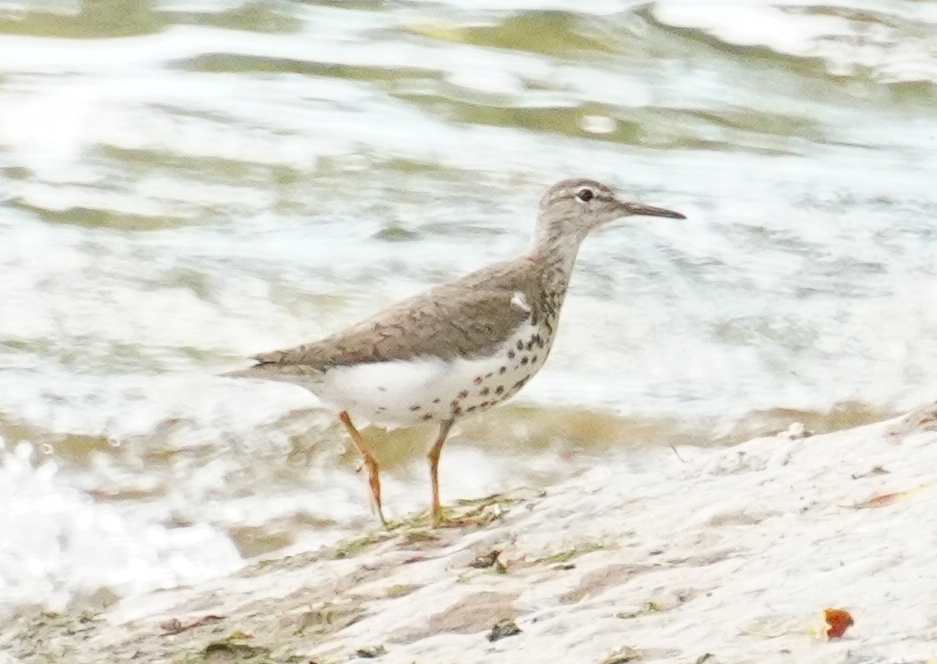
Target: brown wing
{"x":463,"y":318}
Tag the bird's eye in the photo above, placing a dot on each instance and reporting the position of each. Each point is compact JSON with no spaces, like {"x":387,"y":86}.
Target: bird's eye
{"x":585,"y":195}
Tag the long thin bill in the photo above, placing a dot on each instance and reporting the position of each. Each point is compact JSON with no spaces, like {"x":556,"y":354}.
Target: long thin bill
{"x":649,"y":211}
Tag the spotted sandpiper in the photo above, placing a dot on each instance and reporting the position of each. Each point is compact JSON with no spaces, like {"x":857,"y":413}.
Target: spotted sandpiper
{"x":461,"y":347}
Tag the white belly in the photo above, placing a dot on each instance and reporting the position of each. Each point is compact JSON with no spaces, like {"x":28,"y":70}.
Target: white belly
{"x":429,"y":389}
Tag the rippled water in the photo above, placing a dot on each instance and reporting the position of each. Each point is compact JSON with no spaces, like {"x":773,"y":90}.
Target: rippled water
{"x":187,"y":183}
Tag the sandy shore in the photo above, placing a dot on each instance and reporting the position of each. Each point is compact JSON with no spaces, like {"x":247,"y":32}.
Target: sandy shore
{"x":705,"y":555}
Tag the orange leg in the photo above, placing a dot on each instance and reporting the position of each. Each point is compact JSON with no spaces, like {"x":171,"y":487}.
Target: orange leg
{"x":374,"y":477}
{"x":434,"y":469}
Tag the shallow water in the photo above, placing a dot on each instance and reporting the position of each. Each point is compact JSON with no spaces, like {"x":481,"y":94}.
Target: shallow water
{"x":186,"y":184}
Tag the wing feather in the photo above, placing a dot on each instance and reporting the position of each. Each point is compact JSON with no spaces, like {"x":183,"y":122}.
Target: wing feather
{"x":434,"y":322}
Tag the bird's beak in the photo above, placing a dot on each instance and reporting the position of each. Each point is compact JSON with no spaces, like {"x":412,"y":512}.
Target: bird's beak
{"x":648,"y":211}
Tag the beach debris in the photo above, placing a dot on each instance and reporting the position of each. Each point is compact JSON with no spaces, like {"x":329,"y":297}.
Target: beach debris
{"x":355,"y":545}
{"x":480,"y":512}
{"x":226,"y":651}
{"x":477,"y":517}
{"x":838,"y":621}
{"x":503,"y":629}
{"x":486,"y":560}
{"x":876,"y":470}
{"x":884,"y":500}
{"x":401,"y":590}
{"x":489,"y":559}
{"x":622,"y":655}
{"x":330,"y":617}
{"x":880,"y":501}
{"x":646,"y":609}
{"x":568,"y":554}
{"x":176,"y":626}
{"x":371,"y":652}
{"x":418,"y":537}
{"x":416,"y":559}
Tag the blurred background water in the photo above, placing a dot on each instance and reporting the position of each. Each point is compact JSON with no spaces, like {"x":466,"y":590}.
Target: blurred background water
{"x":186,"y":183}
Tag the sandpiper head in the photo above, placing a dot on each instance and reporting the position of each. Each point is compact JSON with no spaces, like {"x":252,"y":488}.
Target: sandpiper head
{"x":574,"y":207}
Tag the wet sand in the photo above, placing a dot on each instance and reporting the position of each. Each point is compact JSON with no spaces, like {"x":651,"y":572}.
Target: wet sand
{"x":709,"y":555}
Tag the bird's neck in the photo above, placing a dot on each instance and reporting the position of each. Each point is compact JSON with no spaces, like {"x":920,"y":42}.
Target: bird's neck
{"x":555,"y":256}
{"x":555,"y":249}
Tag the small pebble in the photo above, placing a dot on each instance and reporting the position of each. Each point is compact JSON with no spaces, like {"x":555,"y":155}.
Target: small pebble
{"x":503,"y":628}
{"x":487,"y":560}
{"x":371,"y":653}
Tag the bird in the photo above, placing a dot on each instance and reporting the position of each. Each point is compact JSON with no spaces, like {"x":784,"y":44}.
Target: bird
{"x":459,"y":348}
